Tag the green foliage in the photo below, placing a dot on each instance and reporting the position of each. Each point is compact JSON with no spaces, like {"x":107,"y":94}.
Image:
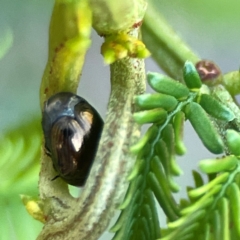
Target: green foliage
{"x":204,"y":127}
{"x":209,"y":212}
{"x":233,"y":141}
{"x":213,"y":208}
{"x":19,"y":169}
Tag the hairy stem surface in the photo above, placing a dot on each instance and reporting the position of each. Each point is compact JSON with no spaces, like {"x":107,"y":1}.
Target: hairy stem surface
{"x":88,"y":216}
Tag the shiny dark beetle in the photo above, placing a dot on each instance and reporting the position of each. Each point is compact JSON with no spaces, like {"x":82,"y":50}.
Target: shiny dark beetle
{"x":72,"y":129}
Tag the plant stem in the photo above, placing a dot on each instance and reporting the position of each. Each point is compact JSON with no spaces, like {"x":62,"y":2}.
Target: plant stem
{"x":89,"y":216}
{"x":231,"y":82}
{"x":69,"y":40}
{"x":112,"y":17}
{"x":166,"y":47}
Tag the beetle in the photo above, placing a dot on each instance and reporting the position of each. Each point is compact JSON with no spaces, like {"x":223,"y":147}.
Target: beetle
{"x":72,"y":129}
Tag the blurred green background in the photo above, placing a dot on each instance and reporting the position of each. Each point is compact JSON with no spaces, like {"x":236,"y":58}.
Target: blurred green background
{"x":211,"y":28}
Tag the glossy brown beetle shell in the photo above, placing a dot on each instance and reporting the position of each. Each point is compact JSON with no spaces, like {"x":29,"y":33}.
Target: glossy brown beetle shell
{"x":72,"y":129}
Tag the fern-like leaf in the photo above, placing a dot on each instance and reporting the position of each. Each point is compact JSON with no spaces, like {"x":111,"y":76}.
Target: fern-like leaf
{"x":156,"y":167}
{"x":19,"y":170}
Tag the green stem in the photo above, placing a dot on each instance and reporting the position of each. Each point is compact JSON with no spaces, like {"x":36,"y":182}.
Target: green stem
{"x":69,"y":40}
{"x":231,"y":82}
{"x":112,"y":17}
{"x":166,"y":47}
{"x":90,"y":214}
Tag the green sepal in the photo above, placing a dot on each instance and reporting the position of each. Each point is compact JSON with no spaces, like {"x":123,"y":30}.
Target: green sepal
{"x":218,"y":165}
{"x":157,"y":115}
{"x":204,"y":128}
{"x":156,"y":100}
{"x":233,"y":142}
{"x":167,"y":85}
{"x":215,"y":108}
{"x":191,"y":76}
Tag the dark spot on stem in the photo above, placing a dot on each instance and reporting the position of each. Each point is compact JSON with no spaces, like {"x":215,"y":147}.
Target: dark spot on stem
{"x":207,"y":70}
{"x":136,"y":25}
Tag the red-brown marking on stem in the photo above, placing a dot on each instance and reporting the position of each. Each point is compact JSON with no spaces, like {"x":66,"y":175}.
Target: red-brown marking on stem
{"x":207,"y":70}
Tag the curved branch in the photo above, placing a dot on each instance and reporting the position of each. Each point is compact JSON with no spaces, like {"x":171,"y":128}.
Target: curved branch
{"x":88,"y":216}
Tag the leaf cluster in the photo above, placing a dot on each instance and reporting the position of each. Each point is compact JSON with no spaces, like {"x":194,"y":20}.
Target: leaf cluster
{"x":212,"y":210}
{"x":19,"y":168}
